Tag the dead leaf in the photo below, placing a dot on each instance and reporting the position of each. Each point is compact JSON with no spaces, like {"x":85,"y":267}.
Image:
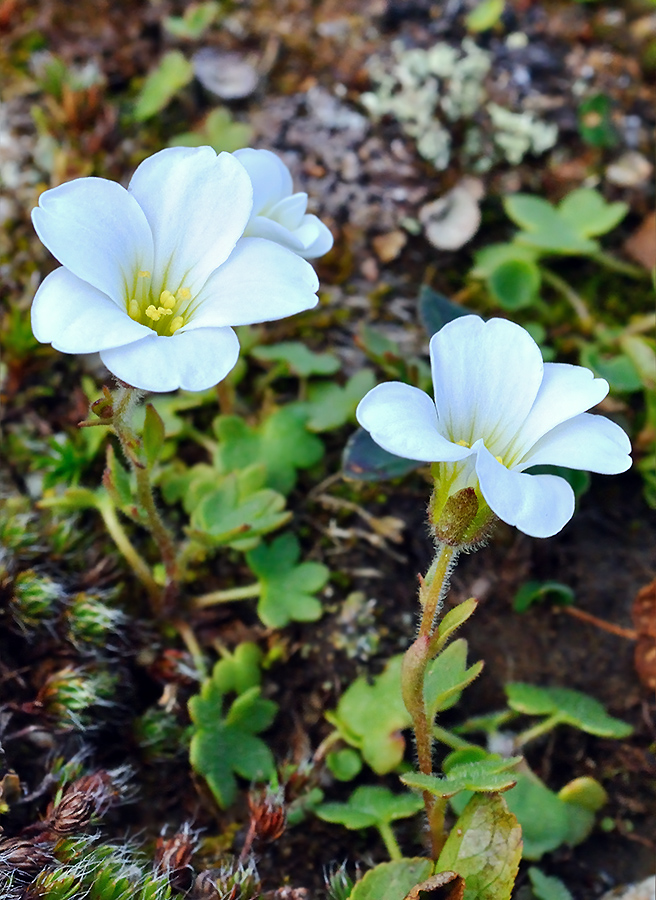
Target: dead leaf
{"x":641,"y":245}
{"x":629,"y":170}
{"x":643,"y":611}
{"x":388,"y":246}
{"x":452,"y":220}
{"x":443,"y":886}
{"x":645,"y":661}
{"x":228,"y":75}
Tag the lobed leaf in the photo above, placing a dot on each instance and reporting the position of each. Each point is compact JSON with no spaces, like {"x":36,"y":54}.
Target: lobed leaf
{"x":571,"y":707}
{"x":172,"y":73}
{"x":287,"y":587}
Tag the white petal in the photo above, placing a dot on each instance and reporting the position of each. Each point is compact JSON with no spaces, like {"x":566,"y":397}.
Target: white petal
{"x":588,"y":442}
{"x":403,"y":420}
{"x":269,"y":175}
{"x":565,"y":392}
{"x":290,"y":210}
{"x":96,"y":229}
{"x":486,"y":377}
{"x":539,"y":505}
{"x":193,"y":361}
{"x":316,"y":237}
{"x":260,"y":282}
{"x":197,"y":204}
{"x":76,"y":318}
{"x":267,"y":229}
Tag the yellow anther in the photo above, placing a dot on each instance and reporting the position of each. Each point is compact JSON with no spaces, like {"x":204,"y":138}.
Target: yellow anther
{"x":176,"y":323}
{"x":133,"y":309}
{"x":499,"y":459}
{"x":164,"y":312}
{"x":183,"y":294}
{"x":167,"y":300}
{"x":153,"y":313}
{"x":144,"y":274}
{"x":462,"y":443}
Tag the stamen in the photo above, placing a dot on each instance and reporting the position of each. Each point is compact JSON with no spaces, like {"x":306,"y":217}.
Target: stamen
{"x":134,"y":309}
{"x":153,"y":313}
{"x":167,"y":299}
{"x":176,"y":323}
{"x":183,"y":293}
{"x":499,"y":459}
{"x":462,"y":443}
{"x":144,"y":274}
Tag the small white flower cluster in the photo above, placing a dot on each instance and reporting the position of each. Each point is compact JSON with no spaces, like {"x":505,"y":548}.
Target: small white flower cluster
{"x":155,"y":276}
{"x":425,"y":90}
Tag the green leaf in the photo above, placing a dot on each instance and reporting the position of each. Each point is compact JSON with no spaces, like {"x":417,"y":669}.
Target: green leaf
{"x":298,"y":359}
{"x":364,"y":460}
{"x":435,"y":310}
{"x":547,"y":887}
{"x":455,"y":619}
{"x":223,"y":746}
{"x":515,"y":283}
{"x":345,"y":764}
{"x":172,"y":74}
{"x":281,"y":444}
{"x":535,"y":591}
{"x":483,"y":776}
{"x":75,"y":499}
{"x":485,"y":15}
{"x":330,"y":406}
{"x":117,"y":479}
{"x":219,"y":131}
{"x":239,"y":671}
{"x":490,"y":258}
{"x":194,"y":22}
{"x":595,"y":120}
{"x":584,"y":791}
{"x":370,"y":715}
{"x":370,"y":806}
{"x":569,"y":706}
{"x":588,"y":213}
{"x":287,"y":588}
{"x":446,"y":678}
{"x":641,"y":352}
{"x":618,"y":370}
{"x":232,"y":515}
{"x":153,"y":434}
{"x":485,"y":847}
{"x":392,"y":880}
{"x":544,"y":228}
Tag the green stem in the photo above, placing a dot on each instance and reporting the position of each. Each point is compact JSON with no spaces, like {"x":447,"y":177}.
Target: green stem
{"x":333,"y":738}
{"x":575,"y":300}
{"x":608,"y":261}
{"x":543,"y":727}
{"x":118,"y":535}
{"x":452,"y":740}
{"x":125,"y":399}
{"x":389,"y":839}
{"x":192,"y":645}
{"x":246,"y":592}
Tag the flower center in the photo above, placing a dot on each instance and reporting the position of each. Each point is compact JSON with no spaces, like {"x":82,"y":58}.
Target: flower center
{"x":165,"y":314}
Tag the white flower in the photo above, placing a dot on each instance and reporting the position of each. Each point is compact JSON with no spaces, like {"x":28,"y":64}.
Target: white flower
{"x":499,"y":410}
{"x":153,"y":276}
{"x":278,"y":214}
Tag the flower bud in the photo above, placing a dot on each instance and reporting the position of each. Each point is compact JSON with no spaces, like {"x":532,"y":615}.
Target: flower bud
{"x":23,"y":855}
{"x":464,"y":520}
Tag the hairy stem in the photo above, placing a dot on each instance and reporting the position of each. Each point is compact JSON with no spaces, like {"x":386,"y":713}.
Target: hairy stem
{"x":574,"y":299}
